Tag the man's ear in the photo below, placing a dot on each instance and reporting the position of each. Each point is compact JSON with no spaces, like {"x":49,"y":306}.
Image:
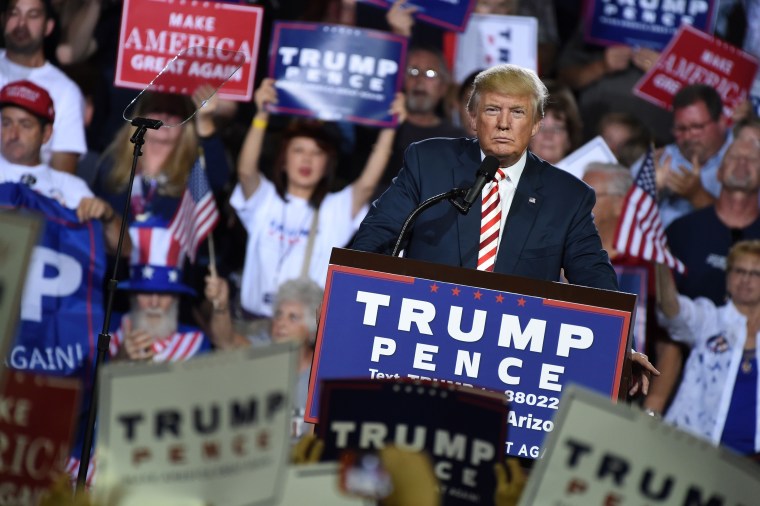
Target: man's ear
{"x":49,"y":25}
{"x":473,"y":121}
{"x":47,"y":132}
{"x":536,"y":128}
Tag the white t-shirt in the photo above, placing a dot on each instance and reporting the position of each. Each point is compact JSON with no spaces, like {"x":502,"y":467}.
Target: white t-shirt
{"x":68,"y":127}
{"x":277,"y":235}
{"x":67,"y":189}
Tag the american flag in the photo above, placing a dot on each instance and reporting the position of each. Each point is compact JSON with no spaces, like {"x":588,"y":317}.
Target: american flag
{"x":639,"y":232}
{"x":197,"y":214}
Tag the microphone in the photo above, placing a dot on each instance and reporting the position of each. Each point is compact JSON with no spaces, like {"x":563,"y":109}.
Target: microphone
{"x":486,"y":172}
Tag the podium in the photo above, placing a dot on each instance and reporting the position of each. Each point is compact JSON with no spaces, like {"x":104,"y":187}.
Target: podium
{"x":385,"y":317}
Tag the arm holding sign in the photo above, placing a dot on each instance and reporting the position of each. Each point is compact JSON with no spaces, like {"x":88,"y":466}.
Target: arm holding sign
{"x":248,"y":161}
{"x":365,"y":185}
{"x":95,"y":208}
{"x":400,"y":18}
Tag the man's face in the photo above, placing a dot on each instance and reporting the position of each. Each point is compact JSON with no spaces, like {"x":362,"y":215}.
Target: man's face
{"x":740,"y":169}
{"x":22,"y":136}
{"x":697,"y":134}
{"x":505,"y":125}
{"x":155,"y":313}
{"x":424,"y":84}
{"x":26,"y":27}
{"x":609,"y":201}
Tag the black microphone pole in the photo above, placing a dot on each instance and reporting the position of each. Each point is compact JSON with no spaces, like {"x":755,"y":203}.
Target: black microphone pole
{"x":451,"y":195}
{"x":104,"y":338}
{"x":485,"y":174}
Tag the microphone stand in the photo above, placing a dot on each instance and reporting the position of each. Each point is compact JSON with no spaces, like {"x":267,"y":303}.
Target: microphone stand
{"x":104,"y":338}
{"x":451,"y":195}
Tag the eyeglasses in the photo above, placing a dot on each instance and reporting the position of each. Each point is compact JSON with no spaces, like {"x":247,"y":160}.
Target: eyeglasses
{"x":415,"y":72}
{"x":745,"y":272}
{"x":696,"y":128}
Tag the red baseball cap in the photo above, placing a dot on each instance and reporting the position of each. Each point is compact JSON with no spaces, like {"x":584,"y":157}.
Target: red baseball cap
{"x":28,"y":96}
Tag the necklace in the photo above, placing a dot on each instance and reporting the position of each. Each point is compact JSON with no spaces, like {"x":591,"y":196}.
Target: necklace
{"x":747,"y":358}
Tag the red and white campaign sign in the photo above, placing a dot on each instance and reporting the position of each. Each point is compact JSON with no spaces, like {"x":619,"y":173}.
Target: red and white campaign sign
{"x":37,"y":419}
{"x":153,"y":32}
{"x":692,"y":57}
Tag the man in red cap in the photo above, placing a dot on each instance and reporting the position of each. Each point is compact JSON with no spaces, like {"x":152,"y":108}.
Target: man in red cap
{"x":27,"y":122}
{"x":26,"y":24}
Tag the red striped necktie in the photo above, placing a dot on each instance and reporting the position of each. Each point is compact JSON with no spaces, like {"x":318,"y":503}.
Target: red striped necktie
{"x":490,"y":223}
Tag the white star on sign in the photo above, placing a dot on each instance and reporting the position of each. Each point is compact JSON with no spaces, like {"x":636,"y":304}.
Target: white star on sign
{"x":173,"y":276}
{"x":147,"y":272}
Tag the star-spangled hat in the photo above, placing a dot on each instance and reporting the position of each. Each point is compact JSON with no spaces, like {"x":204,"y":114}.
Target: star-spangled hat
{"x":156,"y":261}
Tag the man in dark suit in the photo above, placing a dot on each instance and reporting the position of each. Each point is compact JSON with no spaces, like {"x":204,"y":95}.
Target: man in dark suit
{"x":546,"y":222}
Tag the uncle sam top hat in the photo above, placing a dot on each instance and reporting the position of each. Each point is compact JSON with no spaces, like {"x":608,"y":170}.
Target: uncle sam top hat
{"x":155,"y":262}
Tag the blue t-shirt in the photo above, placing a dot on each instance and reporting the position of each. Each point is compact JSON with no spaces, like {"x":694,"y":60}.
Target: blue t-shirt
{"x":741,"y":424}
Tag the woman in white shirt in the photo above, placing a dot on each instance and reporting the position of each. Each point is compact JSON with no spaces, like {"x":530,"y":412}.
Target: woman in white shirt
{"x":283,"y":216}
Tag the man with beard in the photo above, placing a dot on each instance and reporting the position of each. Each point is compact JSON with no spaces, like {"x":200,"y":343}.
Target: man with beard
{"x":702,"y":239}
{"x":687,"y":170}
{"x":151,"y":330}
{"x":26,"y":23}
{"x":425,"y":85}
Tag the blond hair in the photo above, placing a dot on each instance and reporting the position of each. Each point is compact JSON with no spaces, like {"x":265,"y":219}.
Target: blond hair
{"x":511,"y":80}
{"x":742,"y":248}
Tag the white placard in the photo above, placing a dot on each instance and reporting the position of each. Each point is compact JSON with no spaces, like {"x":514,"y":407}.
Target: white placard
{"x":603,"y":454}
{"x":18,"y":235}
{"x":595,"y":150}
{"x":492,"y":39}
{"x":212,"y":430}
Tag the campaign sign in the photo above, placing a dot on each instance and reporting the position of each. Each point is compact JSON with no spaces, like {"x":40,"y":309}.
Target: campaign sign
{"x":604,"y":455}
{"x":449,"y":14}
{"x":486,"y":334}
{"x":696,"y":57}
{"x":37,"y":422}
{"x":462,"y":429}
{"x":492,"y":40}
{"x":224,"y":34}
{"x":18,"y":235}
{"x":61,"y":306}
{"x":635,"y":279}
{"x":336,"y":72}
{"x":643,"y":23}
{"x":210,"y":430}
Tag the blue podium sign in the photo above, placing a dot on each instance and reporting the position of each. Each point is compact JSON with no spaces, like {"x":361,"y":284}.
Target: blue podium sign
{"x":387,"y":325}
{"x":335,"y":72}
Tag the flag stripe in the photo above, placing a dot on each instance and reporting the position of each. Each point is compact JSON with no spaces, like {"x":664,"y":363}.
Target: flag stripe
{"x":640,"y":233}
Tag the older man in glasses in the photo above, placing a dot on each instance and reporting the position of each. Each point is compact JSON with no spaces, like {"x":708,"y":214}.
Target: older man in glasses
{"x":425,"y":85}
{"x":687,"y":177}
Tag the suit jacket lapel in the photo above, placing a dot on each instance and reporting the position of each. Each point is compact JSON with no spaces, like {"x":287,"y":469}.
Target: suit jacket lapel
{"x":522,"y":214}
{"x":468,"y":224}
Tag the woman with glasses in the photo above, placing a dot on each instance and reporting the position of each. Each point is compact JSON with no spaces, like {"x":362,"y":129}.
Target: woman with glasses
{"x":719,"y":393}
{"x":561,"y":127}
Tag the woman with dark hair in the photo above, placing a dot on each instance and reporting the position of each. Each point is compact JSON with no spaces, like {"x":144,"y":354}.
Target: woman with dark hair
{"x":561,"y":128}
{"x":293,"y":220}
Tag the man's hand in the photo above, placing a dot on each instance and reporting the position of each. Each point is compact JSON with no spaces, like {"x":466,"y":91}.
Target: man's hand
{"x":617,"y":58}
{"x":400,"y":18}
{"x":217,"y":291}
{"x":510,"y":482}
{"x":641,"y":372}
{"x":684,"y":181}
{"x":94,"y":208}
{"x":138,"y":345}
